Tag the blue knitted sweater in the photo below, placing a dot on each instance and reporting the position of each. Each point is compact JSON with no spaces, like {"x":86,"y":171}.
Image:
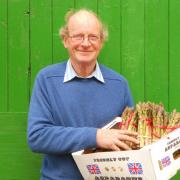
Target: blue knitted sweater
{"x":64,"y":117}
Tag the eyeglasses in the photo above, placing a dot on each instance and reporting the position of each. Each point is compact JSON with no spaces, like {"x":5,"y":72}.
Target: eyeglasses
{"x":79,"y":38}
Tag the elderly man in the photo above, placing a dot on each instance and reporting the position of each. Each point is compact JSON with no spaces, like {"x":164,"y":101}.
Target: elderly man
{"x":72,"y":100}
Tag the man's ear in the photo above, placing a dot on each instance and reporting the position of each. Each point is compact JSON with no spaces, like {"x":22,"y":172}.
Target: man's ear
{"x":65,"y":42}
{"x":102,"y":44}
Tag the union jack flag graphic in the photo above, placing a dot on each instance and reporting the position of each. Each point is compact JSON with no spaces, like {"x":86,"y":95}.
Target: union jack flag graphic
{"x":93,"y":169}
{"x":135,"y":168}
{"x":166,"y":161}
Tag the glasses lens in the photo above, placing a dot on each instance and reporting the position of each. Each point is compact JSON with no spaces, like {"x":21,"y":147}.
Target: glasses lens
{"x":76,"y":38}
{"x":93,"y":38}
{"x":80,"y":37}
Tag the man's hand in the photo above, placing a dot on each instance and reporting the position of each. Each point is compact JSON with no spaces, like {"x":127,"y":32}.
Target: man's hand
{"x":115,"y":139}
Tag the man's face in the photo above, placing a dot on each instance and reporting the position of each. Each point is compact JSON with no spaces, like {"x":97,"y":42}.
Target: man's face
{"x":84,"y":42}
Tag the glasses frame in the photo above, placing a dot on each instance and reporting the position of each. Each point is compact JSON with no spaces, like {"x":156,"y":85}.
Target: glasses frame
{"x":79,"y":38}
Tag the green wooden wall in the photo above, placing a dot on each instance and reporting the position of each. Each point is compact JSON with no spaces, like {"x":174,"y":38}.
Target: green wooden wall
{"x":143,"y":45}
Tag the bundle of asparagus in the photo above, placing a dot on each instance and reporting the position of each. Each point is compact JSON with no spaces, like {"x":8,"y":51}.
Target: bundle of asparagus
{"x":174,"y":122}
{"x":130,"y":123}
{"x":150,"y":120}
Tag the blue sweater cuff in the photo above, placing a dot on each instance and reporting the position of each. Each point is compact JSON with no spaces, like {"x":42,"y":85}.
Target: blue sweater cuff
{"x":91,"y":137}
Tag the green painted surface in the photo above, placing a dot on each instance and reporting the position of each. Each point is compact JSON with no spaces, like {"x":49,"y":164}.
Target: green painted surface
{"x":143,"y":45}
{"x":110,"y":54}
{"x":18,"y":55}
{"x":86,"y":4}
{"x":40,"y":35}
{"x":174,"y":54}
{"x":59,"y":9}
{"x":17,"y":161}
{"x":132,"y":49}
{"x":156,"y":51}
{"x":3,"y":56}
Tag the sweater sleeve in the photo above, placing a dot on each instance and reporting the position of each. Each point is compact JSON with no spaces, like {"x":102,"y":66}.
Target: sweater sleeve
{"x":128,"y":97}
{"x":46,"y":137}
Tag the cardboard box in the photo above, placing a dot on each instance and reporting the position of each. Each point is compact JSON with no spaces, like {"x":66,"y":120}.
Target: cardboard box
{"x":158,"y":161}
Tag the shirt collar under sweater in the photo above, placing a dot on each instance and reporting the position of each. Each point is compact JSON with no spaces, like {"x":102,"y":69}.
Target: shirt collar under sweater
{"x":70,"y":73}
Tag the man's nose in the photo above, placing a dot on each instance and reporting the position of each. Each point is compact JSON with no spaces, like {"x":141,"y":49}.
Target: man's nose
{"x":85,"y":41}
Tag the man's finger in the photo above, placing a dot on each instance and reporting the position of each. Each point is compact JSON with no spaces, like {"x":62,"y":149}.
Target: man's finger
{"x":122,"y":145}
{"x":131,"y":133}
{"x":123,"y":137}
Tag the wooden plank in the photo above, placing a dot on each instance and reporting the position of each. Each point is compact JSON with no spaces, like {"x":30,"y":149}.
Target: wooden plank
{"x":110,"y":14}
{"x":40,"y":35}
{"x":59,"y":10}
{"x":86,"y":4}
{"x":17,"y":162}
{"x":18,"y":54}
{"x":156,"y":51}
{"x":132,"y":49}
{"x":174,"y":54}
{"x":3,"y":56}
{"x":177,"y":176}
